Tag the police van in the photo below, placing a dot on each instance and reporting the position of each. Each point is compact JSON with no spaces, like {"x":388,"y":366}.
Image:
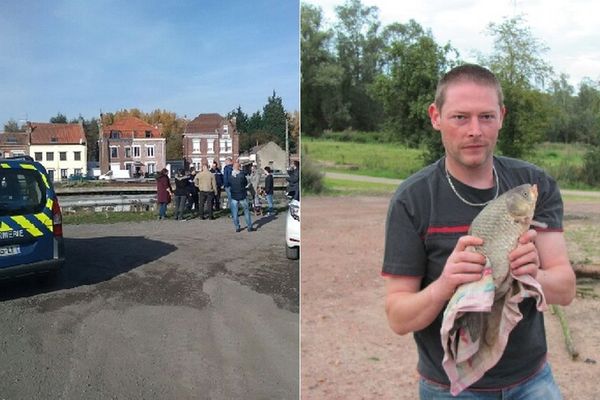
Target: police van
{"x":31,"y":236}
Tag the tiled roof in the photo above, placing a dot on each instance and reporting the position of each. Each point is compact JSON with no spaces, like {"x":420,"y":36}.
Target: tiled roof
{"x":205,"y":123}
{"x":132,"y":127}
{"x":48,"y":133}
{"x":14,"y":138}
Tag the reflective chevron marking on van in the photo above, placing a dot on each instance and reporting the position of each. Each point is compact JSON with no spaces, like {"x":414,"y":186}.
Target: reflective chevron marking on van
{"x":27,"y":225}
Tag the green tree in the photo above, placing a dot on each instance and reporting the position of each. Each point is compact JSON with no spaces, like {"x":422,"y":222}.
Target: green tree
{"x":321,"y":78}
{"x":91,"y":136}
{"x":562,"y":103}
{"x":358,"y":44}
{"x":59,"y":119}
{"x":12,"y":126}
{"x":241,"y":119}
{"x":517,"y":62}
{"x":413,"y":63}
{"x":587,"y":113}
{"x":274,"y":118}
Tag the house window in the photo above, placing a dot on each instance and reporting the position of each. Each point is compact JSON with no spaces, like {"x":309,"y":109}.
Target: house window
{"x":195,"y":145}
{"x":211,"y":146}
{"x":54,"y":139}
{"x":127,"y":152}
{"x":63,"y":173}
{"x":38,"y":156}
{"x":226,"y":129}
{"x":114,"y":152}
{"x":62,"y":155}
{"x":17,"y":152}
{"x":225,"y":145}
{"x":136,"y":151}
{"x":115,"y":134}
{"x":77,"y":156}
{"x":150,"y":151}
{"x":11,"y":140}
{"x":49,"y":156}
{"x":51,"y":174}
{"x":77,"y":171}
{"x":148,"y":134}
{"x":151,"y":168}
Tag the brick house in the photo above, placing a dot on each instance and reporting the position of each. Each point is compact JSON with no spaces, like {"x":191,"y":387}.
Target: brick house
{"x":14,"y":144}
{"x":133,"y":145}
{"x":60,"y":148}
{"x":210,"y":137}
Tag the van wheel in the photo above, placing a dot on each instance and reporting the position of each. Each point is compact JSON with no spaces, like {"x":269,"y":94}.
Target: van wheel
{"x":293,"y":253}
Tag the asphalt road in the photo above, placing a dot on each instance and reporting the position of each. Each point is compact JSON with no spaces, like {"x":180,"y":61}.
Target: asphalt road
{"x":157,"y":310}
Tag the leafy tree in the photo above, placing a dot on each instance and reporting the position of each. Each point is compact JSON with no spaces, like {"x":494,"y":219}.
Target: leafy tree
{"x":274,"y":119}
{"x":358,"y":44}
{"x":12,"y":126}
{"x":561,"y":99}
{"x":321,"y":78}
{"x":59,"y":119}
{"x":587,"y":113}
{"x":413,"y":63}
{"x":517,"y":63}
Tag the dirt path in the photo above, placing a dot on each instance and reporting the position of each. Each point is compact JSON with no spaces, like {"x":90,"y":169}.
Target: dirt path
{"x":347,"y":349}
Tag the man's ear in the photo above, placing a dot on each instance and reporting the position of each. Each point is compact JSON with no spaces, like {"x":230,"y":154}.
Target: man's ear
{"x":434,"y":116}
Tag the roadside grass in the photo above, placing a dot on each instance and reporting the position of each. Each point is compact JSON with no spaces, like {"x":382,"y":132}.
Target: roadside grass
{"x":342,"y":187}
{"x":582,"y":241}
{"x":106,"y":217}
{"x":371,"y":159}
{"x":564,"y":162}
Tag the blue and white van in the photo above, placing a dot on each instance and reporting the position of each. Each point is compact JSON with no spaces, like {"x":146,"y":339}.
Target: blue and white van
{"x":31,"y":235}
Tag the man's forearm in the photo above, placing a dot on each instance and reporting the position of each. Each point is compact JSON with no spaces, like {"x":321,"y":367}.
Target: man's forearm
{"x":409,"y":312}
{"x":558,"y":284}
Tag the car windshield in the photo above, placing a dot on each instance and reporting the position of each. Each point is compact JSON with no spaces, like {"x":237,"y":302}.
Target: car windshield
{"x":21,"y":192}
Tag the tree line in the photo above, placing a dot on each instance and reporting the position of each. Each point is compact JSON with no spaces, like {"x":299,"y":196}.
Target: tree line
{"x":359,"y":75}
{"x":259,"y":128}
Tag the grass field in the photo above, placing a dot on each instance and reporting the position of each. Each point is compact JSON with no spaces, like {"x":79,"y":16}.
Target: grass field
{"x":562,"y":161}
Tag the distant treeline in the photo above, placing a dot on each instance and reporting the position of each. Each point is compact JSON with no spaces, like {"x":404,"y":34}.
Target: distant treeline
{"x":360,"y":75}
{"x":258,"y":128}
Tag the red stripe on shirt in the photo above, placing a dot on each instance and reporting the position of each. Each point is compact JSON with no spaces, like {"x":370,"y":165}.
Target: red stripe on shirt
{"x":448,"y":229}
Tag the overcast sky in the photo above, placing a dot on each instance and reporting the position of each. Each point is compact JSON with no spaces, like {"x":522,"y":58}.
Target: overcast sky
{"x":186,"y":56}
{"x":569,"y":28}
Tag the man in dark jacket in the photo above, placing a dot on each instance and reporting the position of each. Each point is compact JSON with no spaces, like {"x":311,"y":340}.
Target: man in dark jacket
{"x":269,"y":189}
{"x":294,"y":181}
{"x":227,"y":169}
{"x":238,"y":185}
{"x":219,"y":180}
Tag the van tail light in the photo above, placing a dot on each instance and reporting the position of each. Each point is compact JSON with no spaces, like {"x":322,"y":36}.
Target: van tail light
{"x":56,"y":219}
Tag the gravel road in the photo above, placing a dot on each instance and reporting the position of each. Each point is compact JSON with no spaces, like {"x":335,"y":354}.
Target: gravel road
{"x":157,"y":310}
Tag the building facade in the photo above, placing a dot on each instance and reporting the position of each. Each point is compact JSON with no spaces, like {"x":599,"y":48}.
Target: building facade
{"x":132,"y":145}
{"x":60,"y":148}
{"x":208,"y":138}
{"x":14,"y":144}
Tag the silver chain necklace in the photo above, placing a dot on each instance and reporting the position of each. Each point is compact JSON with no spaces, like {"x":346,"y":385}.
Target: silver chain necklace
{"x":468,"y":202}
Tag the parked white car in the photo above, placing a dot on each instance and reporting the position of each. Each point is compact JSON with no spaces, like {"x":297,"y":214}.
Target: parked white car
{"x":292,"y":231}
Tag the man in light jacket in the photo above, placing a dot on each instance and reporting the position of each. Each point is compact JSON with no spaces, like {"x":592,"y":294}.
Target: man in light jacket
{"x":207,"y":188}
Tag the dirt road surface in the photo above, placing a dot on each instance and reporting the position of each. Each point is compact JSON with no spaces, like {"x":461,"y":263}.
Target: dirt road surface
{"x":157,"y":310}
{"x":348,"y":352}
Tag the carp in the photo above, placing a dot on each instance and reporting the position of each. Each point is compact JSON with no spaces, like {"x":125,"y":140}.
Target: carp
{"x":500,"y":224}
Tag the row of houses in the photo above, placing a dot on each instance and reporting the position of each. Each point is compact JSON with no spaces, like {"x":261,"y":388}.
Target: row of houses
{"x":129,"y":147}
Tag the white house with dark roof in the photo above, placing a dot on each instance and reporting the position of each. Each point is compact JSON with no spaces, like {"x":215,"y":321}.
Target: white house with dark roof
{"x":60,"y":148}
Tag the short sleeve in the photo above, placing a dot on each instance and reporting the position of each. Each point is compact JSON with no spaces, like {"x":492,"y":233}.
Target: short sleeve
{"x":549,"y":208}
{"x":404,"y":252}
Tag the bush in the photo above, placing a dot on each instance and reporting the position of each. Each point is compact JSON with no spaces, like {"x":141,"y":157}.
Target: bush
{"x":591,"y":166}
{"x":311,"y":175}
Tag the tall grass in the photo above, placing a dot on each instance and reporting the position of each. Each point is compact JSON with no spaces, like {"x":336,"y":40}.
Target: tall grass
{"x":565,"y":162}
{"x":372,"y":159}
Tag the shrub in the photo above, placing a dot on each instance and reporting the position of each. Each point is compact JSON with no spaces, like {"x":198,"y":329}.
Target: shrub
{"x":591,"y":166}
{"x":311,"y":175}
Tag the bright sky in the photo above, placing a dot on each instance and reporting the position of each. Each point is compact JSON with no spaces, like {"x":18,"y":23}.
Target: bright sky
{"x":568,"y":28}
{"x":189,"y":57}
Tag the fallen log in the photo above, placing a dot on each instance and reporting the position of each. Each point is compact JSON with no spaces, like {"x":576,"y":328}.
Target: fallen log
{"x":587,"y":271}
{"x":557,"y":310}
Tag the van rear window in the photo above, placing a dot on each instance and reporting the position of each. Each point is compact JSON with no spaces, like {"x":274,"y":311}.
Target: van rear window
{"x":22,"y":191}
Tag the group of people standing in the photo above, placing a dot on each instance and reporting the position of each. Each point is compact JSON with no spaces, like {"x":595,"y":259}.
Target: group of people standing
{"x":196,"y":191}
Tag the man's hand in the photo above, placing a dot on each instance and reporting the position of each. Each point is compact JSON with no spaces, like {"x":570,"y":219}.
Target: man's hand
{"x":461,"y":267}
{"x":524,"y":259}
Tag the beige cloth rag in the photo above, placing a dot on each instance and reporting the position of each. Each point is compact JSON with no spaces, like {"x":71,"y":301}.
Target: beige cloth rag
{"x":465,"y":360}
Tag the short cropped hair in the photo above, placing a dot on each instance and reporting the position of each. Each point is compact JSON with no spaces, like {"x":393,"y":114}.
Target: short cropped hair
{"x":467,"y":73}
